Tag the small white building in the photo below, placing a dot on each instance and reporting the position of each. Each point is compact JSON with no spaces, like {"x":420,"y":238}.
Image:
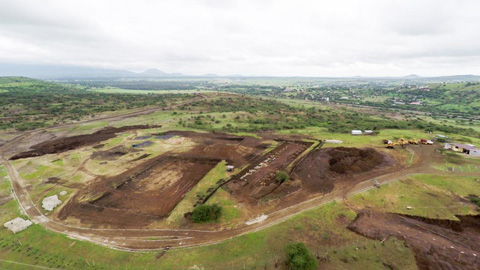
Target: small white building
{"x":356,"y":132}
{"x":468,"y":149}
{"x":368,"y":132}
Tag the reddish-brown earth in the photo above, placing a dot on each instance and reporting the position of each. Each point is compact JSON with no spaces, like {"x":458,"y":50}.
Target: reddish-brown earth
{"x":437,"y":244}
{"x":322,"y":168}
{"x":259,"y":179}
{"x":138,"y":196}
{"x":152,"y":189}
{"x":70,"y":143}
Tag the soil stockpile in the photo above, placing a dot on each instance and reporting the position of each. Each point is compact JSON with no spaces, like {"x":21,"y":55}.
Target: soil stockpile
{"x":353,"y":160}
{"x":111,"y":154}
{"x":437,"y":244}
{"x":321,"y":168}
{"x":70,"y":143}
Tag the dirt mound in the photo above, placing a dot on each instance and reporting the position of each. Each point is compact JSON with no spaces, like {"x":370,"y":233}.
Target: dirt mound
{"x":70,"y":143}
{"x":437,"y":244}
{"x":322,"y":168}
{"x":55,"y":180}
{"x":111,"y":154}
{"x":353,"y":160}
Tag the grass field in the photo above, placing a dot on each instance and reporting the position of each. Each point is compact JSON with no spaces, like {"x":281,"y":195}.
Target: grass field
{"x":113,"y":90}
{"x":433,"y":196}
{"x":323,"y":229}
{"x":359,"y":140}
{"x":186,"y":205}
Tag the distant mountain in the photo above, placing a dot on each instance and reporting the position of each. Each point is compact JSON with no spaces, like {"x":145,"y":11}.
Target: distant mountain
{"x":468,"y":77}
{"x":75,"y":72}
{"x":153,"y":72}
{"x":412,"y":76}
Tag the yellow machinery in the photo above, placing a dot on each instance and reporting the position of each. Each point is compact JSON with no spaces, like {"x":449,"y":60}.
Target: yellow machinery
{"x":402,"y":142}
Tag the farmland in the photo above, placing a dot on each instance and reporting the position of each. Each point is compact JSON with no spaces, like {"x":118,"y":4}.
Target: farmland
{"x":129,"y":178}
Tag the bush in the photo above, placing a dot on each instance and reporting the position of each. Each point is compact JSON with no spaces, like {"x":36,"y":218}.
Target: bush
{"x":282,"y":176}
{"x":206,"y":213}
{"x":299,"y":257}
{"x":475,"y":199}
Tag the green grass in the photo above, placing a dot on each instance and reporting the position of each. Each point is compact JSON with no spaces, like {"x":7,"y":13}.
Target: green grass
{"x":42,"y":172}
{"x":113,"y":142}
{"x":209,"y":180}
{"x":358,"y":141}
{"x":460,"y":185}
{"x":230,"y":208}
{"x":89,"y":127}
{"x":322,"y":229}
{"x":114,"y":90}
{"x":433,"y":196}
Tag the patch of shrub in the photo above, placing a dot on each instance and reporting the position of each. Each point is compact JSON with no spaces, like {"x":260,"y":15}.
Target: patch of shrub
{"x":475,"y":199}
{"x":206,"y":213}
{"x":282,"y":176}
{"x":299,"y":257}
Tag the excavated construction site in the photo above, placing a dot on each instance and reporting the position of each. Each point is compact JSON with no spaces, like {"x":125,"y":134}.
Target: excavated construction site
{"x":436,"y":243}
{"x":259,"y":180}
{"x":151,"y":190}
{"x":70,"y":143}
{"x":321,"y":170}
{"x":151,"y":186}
{"x":148,"y":192}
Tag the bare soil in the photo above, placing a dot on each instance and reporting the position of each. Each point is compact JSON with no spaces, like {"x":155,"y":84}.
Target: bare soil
{"x":112,"y":154}
{"x":259,"y":179}
{"x":437,"y":244}
{"x":235,"y":150}
{"x":69,"y":143}
{"x":321,"y":169}
{"x":151,"y":190}
{"x":138,"y":196}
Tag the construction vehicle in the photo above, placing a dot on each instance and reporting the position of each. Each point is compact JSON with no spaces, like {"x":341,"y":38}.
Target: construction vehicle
{"x":426,"y":142}
{"x":413,"y":141}
{"x":402,"y":142}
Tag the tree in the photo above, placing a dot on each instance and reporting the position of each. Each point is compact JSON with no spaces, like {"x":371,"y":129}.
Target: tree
{"x":282,"y":176}
{"x":206,"y":213}
{"x":299,"y":257}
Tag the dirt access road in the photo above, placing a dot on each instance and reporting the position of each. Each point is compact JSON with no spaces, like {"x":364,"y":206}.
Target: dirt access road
{"x":159,"y":239}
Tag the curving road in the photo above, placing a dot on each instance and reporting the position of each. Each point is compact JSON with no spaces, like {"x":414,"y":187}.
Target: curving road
{"x":158,"y":239}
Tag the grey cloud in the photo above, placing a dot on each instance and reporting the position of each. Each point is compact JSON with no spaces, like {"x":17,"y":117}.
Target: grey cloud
{"x":305,"y":37}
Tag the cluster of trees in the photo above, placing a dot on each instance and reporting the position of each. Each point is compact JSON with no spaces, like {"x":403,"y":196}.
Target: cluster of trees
{"x":148,"y":84}
{"x":206,"y":213}
{"x":29,"y":104}
{"x":260,"y":114}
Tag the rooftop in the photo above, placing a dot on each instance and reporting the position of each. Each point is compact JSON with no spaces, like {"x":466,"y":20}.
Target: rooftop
{"x":464,"y":146}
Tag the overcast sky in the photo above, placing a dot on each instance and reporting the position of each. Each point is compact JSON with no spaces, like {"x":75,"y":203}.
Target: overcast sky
{"x":257,"y":37}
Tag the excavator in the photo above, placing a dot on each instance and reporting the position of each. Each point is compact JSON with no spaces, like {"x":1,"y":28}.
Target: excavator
{"x":390,"y":144}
